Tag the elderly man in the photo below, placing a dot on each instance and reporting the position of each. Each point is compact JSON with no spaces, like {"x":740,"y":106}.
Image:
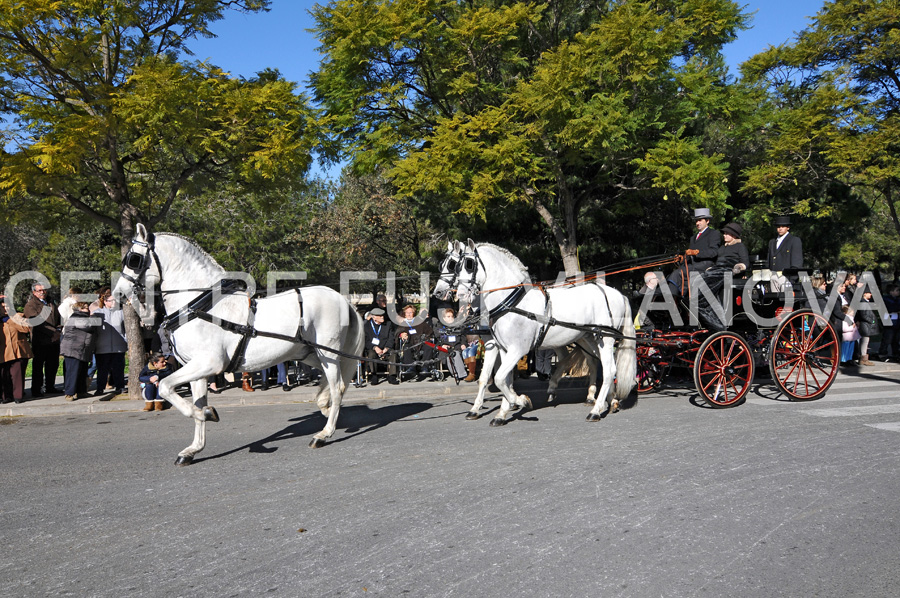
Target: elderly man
{"x":701,"y":253}
{"x":43,"y":316}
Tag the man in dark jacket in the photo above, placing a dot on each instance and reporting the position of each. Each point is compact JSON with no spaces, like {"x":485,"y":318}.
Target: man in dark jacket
{"x":701,"y":253}
{"x":43,"y":316}
{"x":785,"y":250}
{"x":379,"y":345}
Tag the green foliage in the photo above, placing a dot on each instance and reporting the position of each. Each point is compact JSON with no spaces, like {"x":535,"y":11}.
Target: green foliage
{"x":488,"y":102}
{"x":833,"y":125}
{"x":106,"y":121}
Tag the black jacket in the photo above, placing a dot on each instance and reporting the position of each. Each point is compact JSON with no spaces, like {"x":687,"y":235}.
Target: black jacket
{"x":729,"y":255}
{"x":383,"y":332}
{"x":707,"y":244}
{"x":80,"y":336}
{"x":787,"y":257}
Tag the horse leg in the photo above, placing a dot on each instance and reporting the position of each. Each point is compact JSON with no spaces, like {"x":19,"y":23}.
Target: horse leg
{"x":335,"y":391}
{"x":608,"y":361}
{"x":195,"y":373}
{"x":487,"y":369}
{"x":592,"y":356}
{"x":504,"y":379}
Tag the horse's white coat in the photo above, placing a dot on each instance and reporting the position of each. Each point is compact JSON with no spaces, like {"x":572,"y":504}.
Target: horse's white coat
{"x":587,"y":304}
{"x":206,"y":349}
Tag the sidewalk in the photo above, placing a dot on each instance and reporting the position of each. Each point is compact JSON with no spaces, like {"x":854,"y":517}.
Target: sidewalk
{"x":235,"y":397}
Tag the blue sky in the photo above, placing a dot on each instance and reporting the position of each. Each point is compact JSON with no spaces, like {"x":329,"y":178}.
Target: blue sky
{"x":247,"y":44}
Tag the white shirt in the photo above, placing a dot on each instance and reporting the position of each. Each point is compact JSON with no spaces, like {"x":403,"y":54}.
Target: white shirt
{"x":780,"y":239}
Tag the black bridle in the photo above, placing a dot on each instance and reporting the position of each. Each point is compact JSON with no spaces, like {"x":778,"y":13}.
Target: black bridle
{"x":140,"y":263}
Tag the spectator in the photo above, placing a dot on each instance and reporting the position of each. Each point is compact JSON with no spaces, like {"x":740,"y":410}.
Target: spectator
{"x":890,"y":338}
{"x":77,"y":348}
{"x":410,"y":342}
{"x":102,"y":294}
{"x":850,"y":336}
{"x":155,"y":370}
{"x":451,"y":341}
{"x":867,"y":321}
{"x":43,"y":317}
{"x":379,"y":345}
{"x":65,"y":306}
{"x":111,"y":347}
{"x":14,"y":354}
{"x":851,"y":283}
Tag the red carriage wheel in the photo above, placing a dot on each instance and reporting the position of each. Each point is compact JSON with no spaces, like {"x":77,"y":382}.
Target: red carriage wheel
{"x":650,"y":373}
{"x":804,"y":355}
{"x":723,"y":369}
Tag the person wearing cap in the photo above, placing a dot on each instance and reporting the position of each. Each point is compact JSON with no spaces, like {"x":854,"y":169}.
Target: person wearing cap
{"x":701,"y":254}
{"x":731,"y":257}
{"x":379,"y":345}
{"x":785,"y":250}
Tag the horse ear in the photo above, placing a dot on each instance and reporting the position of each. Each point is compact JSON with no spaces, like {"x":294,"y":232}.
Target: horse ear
{"x":449,"y":246}
{"x":140,"y":232}
{"x":471,"y":244}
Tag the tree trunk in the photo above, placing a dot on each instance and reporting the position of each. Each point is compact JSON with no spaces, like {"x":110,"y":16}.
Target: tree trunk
{"x":133,"y":333}
{"x":566,"y":236}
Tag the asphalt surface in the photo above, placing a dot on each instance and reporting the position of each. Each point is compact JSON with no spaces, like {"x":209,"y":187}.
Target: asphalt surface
{"x":666,"y":498}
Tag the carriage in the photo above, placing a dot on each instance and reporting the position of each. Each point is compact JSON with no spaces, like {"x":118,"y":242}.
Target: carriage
{"x":778,"y":331}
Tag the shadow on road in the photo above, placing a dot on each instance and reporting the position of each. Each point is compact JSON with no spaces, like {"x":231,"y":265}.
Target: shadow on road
{"x":354,"y":419}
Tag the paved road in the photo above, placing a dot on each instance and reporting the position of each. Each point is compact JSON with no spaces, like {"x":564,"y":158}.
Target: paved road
{"x":666,"y":498}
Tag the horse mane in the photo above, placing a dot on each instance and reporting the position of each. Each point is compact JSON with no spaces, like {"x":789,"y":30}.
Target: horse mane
{"x":193,"y":245}
{"x":505,"y":252}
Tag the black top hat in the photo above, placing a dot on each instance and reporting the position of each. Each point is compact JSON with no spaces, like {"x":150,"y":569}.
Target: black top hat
{"x":782,"y":221}
{"x":734,"y":229}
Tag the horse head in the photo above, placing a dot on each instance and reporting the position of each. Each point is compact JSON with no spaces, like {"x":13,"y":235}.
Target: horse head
{"x":140,"y":272}
{"x":469,"y":273}
{"x":446,"y":283}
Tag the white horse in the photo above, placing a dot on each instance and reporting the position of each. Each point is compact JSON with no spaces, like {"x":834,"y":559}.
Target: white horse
{"x":443,"y":290}
{"x":214,"y":331}
{"x":524,"y":317}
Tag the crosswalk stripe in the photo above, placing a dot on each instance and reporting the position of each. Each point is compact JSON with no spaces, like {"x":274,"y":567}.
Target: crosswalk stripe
{"x":853,"y":411}
{"x":861,"y":383}
{"x":831,"y":396}
{"x":890,"y":427}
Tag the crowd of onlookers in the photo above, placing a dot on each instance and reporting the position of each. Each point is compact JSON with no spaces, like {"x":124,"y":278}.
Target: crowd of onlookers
{"x":90,"y":339}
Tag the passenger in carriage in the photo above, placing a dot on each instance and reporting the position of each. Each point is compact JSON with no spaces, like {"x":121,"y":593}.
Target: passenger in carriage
{"x":731,"y":257}
{"x":700,"y":255}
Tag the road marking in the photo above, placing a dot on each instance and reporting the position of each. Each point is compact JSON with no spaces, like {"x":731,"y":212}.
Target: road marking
{"x":890,"y":427}
{"x":853,"y":411}
{"x":862,"y":383}
{"x":859,"y":396}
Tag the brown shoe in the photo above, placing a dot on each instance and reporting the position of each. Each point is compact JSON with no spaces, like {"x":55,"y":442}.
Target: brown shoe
{"x":865,"y":361}
{"x":148,"y":406}
{"x":159,"y":405}
{"x":247,"y":383}
{"x":470,"y":366}
{"x":70,"y":397}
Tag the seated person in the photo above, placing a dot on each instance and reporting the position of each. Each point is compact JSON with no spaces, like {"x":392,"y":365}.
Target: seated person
{"x":700,"y":254}
{"x":732,"y":257}
{"x":410,"y":343}
{"x":451,"y":340}
{"x":379,"y":344}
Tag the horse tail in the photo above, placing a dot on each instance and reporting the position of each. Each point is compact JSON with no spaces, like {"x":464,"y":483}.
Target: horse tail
{"x":626,"y":355}
{"x":356,"y":337}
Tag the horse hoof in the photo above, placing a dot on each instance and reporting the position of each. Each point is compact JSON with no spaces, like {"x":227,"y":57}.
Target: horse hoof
{"x":526,"y":402}
{"x":551,"y":398}
{"x":614,"y":407}
{"x":589,"y":401}
{"x":497,"y":422}
{"x":210,"y":414}
{"x":473,"y":415}
{"x":184,"y":460}
{"x":593,"y":417}
{"x":316,"y":443}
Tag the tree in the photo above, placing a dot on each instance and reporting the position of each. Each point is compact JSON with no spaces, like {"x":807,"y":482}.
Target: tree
{"x":106,"y":121}
{"x":834,"y":133}
{"x":565,"y":106}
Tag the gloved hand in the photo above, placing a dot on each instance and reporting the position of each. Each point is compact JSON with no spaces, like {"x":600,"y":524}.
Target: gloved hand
{"x":692,"y":252}
{"x":738,"y":268}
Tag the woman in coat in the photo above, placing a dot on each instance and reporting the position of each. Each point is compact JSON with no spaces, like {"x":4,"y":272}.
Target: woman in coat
{"x":77,"y":347}
{"x":15,"y":351}
{"x":111,"y":346}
